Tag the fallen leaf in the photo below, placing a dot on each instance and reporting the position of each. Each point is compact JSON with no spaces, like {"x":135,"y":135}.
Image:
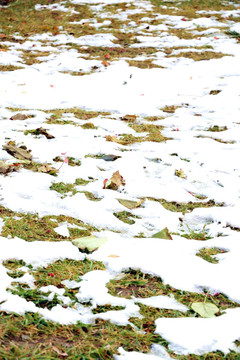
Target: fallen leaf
{"x":113,"y":256}
{"x":45,"y":168}
{"x":107,"y":56}
{"x":111,"y":138}
{"x":130,"y":204}
{"x":106,"y":63}
{"x":88,"y":244}
{"x":115,"y":181}
{"x":41,"y":131}
{"x":18,"y":152}
{"x":129,"y":118}
{"x":163,"y":234}
{"x":6,"y":168}
{"x":18,"y":116}
{"x":206,"y":310}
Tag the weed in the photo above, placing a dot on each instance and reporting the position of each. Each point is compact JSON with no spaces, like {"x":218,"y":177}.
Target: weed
{"x":65,"y":188}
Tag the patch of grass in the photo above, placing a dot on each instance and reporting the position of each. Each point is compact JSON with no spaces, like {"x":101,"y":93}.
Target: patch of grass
{"x":104,"y":308}
{"x":170,"y":109}
{"x":137,"y":284}
{"x":97,"y":52}
{"x":144,"y":64}
{"x":197,"y":235}
{"x":199,"y":56}
{"x":38,"y":167}
{"x":154,"y":132}
{"x":36,"y":296}
{"x":67,"y":269}
{"x":10,"y":67}
{"x":71,"y":160}
{"x":31,"y":228}
{"x":22,"y":18}
{"x":217,"y":128}
{"x":207,"y":254}
{"x":13,"y":264}
{"x":189,"y":8}
{"x":185,"y":207}
{"x":216,"y":139}
{"x":32,"y":57}
{"x":89,"y":125}
{"x":47,"y":340}
{"x":90,"y":196}
{"x":126,"y":217}
{"x":81,"y":114}
{"x":64,"y":188}
{"x":125,"y":139}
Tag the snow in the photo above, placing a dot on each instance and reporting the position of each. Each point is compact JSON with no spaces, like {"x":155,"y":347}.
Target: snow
{"x":208,"y":159}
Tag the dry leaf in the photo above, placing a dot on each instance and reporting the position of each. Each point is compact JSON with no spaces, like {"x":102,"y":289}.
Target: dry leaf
{"x":18,"y":116}
{"x":113,"y":256}
{"x":115,"y":181}
{"x":18,"y":152}
{"x":111,"y":138}
{"x":41,"y":131}
{"x":106,"y":63}
{"x":47,"y":168}
{"x":6,"y":168}
{"x":129,"y":118}
{"x":130,"y":204}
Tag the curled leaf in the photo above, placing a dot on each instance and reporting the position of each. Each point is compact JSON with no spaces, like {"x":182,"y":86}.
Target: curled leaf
{"x":115,"y":181}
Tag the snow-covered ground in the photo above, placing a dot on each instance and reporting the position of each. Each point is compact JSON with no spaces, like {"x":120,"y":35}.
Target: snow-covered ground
{"x":209,"y":161}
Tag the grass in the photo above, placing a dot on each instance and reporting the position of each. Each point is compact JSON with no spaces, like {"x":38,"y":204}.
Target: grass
{"x":47,"y":340}
{"x":208,"y":254}
{"x":126,"y":217}
{"x":137,"y":284}
{"x":65,"y":188}
{"x":186,"y":207}
{"x":10,"y":67}
{"x":143,"y":64}
{"x":199,"y":56}
{"x":31,"y":228}
{"x":64,"y":270}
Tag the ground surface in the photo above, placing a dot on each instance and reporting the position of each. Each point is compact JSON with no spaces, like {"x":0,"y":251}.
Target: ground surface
{"x":120,"y":124}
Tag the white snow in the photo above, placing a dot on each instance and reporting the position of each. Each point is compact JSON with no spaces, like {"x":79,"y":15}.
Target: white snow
{"x":208,"y":159}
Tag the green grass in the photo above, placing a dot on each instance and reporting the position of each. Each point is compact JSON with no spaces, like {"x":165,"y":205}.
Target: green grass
{"x":207,"y":254}
{"x":126,"y":217}
{"x":31,"y":227}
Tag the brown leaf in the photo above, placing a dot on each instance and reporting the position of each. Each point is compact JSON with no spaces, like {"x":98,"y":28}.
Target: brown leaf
{"x":129,"y":118}
{"x":6,"y":168}
{"x":17,"y":152}
{"x":18,"y":116}
{"x":130,"y":204}
{"x":115,"y":181}
{"x":41,"y":131}
{"x":106,"y":63}
{"x":47,"y":168}
{"x":113,"y":256}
